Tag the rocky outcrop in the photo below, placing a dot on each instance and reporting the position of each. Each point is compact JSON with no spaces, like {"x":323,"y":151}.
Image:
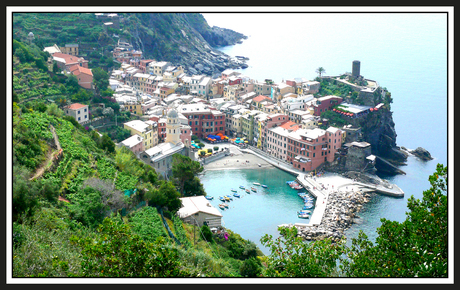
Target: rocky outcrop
{"x":183,"y":39}
{"x":422,"y":153}
{"x":341,"y":212}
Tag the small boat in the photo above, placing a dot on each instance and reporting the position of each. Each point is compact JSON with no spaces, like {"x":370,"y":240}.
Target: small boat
{"x":221,"y":206}
{"x":259,"y":164}
{"x":303,"y":215}
{"x":256,"y":183}
{"x":241,"y":186}
{"x":305,"y":211}
{"x":253,"y":189}
{"x":229,"y":197}
{"x":236,"y":195}
{"x":222,"y":198}
{"x":264,"y":186}
{"x":307,"y":207}
{"x":233,"y":190}
{"x":225,"y":205}
{"x":209,"y":197}
{"x":247,"y":190}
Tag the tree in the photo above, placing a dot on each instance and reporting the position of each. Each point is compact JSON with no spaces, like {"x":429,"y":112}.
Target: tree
{"x":320,"y":71}
{"x":291,"y":257}
{"x":184,"y":171}
{"x":417,"y":247}
{"x":100,"y":80}
{"x":117,"y":252}
{"x":165,"y":195}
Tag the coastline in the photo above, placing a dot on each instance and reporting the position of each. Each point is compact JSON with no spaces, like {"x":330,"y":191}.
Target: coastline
{"x":237,"y":160}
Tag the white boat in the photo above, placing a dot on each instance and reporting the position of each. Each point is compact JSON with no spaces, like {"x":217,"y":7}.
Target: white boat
{"x":264,"y":186}
{"x":256,"y":183}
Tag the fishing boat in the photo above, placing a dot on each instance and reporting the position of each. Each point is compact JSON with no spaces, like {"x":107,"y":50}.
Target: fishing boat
{"x":247,"y":190}
{"x":264,"y":186}
{"x":253,"y":189}
{"x":229,"y":197}
{"x":222,"y":198}
{"x":256,"y":183}
{"x":241,"y":186}
{"x":221,"y":206}
{"x":303,"y":215}
{"x":209,"y":197}
{"x":225,"y":205}
{"x":236,"y":195}
{"x":233,"y":190}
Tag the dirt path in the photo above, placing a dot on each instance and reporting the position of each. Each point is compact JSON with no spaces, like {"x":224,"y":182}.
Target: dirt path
{"x":49,"y":157}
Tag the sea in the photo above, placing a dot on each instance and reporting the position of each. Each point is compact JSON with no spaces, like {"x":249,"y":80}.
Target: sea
{"x":405,"y":52}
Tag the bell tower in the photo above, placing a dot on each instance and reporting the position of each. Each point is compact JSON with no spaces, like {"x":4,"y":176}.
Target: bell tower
{"x":172,"y":127}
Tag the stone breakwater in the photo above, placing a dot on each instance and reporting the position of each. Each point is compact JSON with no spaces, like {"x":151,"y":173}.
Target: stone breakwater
{"x":341,"y":212}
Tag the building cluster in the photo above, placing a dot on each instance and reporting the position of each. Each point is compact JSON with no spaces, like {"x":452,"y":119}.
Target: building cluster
{"x":281,"y":119}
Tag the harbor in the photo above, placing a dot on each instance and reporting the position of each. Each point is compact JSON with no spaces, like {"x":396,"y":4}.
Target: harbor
{"x":337,"y":199}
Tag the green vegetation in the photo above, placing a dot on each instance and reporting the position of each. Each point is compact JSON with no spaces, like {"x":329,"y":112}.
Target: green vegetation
{"x":71,"y":217}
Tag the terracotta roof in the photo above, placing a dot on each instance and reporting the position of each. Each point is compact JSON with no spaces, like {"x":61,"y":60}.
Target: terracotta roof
{"x":290,"y":125}
{"x":260,"y":98}
{"x":77,"y":70}
{"x":76,"y":106}
{"x":69,"y":59}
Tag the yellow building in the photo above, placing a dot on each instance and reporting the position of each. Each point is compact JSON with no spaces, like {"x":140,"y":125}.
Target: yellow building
{"x":135,"y":108}
{"x":147,"y":130}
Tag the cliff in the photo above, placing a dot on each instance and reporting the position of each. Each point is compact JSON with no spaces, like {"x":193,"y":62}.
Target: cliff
{"x":182,"y":38}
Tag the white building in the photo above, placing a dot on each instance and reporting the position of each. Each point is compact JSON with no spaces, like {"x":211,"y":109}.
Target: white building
{"x":197,"y":210}
{"x":79,"y":111}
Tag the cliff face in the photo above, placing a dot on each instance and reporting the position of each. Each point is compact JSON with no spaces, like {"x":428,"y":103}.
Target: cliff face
{"x":181,"y":38}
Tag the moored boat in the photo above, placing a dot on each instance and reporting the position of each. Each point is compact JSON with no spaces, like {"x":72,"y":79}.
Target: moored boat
{"x":233,"y":190}
{"x":241,"y":186}
{"x":236,"y":195}
{"x":221,"y":206}
{"x":247,"y":190}
{"x":256,"y":183}
{"x":229,"y":197}
{"x":253,"y":189}
{"x":264,"y":186}
{"x":209,"y":197}
{"x":222,"y":198}
{"x":303,"y":215}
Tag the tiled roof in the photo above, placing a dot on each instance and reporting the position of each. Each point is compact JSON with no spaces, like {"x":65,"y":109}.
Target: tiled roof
{"x":76,"y":106}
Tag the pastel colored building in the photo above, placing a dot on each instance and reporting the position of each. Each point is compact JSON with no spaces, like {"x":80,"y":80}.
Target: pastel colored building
{"x":79,"y":111}
{"x":147,"y":130}
{"x":84,"y":76}
{"x":203,"y":120}
{"x":135,"y":143}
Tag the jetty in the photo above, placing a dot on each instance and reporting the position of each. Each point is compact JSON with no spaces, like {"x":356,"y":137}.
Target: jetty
{"x":319,"y":192}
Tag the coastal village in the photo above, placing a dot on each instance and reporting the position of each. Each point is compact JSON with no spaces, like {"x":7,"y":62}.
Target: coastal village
{"x":279,"y":122}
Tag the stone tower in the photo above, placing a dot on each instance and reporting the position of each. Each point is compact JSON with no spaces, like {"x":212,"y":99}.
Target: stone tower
{"x":356,"y":67}
{"x":172,"y":127}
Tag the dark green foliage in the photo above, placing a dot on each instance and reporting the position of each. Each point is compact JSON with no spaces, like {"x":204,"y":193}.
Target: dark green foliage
{"x":416,"y":247}
{"x":251,"y":268}
{"x":117,"y":252}
{"x":206,"y":234}
{"x":184,"y":172}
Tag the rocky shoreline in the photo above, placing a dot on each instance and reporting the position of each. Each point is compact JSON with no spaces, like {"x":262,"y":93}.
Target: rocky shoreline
{"x":341,"y":212}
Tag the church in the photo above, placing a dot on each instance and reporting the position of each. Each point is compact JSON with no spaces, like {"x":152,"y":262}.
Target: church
{"x":178,"y":140}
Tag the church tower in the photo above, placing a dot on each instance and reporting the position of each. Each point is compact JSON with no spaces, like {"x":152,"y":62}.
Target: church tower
{"x":172,"y":127}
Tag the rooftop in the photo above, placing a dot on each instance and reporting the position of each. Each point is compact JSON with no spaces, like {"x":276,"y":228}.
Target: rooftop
{"x":138,"y":125}
{"x":132,"y":141}
{"x":194,"y":204}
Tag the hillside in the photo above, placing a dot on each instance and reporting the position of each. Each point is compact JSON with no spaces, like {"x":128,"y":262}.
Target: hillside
{"x":180,"y":38}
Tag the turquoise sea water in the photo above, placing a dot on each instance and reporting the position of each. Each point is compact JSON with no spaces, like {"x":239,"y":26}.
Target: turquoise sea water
{"x":404,"y":52}
{"x":258,"y":213}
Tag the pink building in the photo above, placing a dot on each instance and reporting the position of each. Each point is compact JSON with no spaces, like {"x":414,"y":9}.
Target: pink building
{"x":326,"y":103}
{"x":84,"y":76}
{"x":309,"y":148}
{"x":277,"y":139}
{"x":269,"y":122}
{"x":161,"y":127}
{"x":186,"y":135}
{"x":134,"y":143}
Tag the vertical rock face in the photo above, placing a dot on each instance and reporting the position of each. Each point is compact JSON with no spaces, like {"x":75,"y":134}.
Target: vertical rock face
{"x":183,"y":38}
